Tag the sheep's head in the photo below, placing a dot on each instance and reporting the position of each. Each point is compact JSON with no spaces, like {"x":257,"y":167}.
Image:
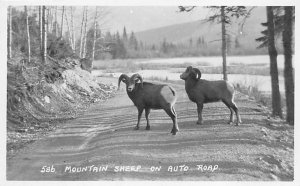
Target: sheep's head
{"x":191,"y":72}
{"x":130,"y":81}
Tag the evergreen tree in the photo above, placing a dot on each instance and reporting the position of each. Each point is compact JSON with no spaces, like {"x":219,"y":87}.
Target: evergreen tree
{"x":108,"y":37}
{"x":191,"y":42}
{"x":277,"y":25}
{"x":237,"y":42}
{"x":164,"y":46}
{"x":141,"y":45}
{"x":276,"y":105}
{"x":198,"y":44}
{"x":18,"y":27}
{"x":119,"y":50}
{"x":287,"y":38}
{"x":125,"y":38}
{"x":153,"y":47}
{"x":133,"y":43}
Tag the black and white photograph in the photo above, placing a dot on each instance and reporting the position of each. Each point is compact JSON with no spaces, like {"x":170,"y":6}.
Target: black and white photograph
{"x":127,"y":91}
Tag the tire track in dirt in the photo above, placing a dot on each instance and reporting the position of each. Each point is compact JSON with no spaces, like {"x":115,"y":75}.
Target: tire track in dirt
{"x":104,"y":136}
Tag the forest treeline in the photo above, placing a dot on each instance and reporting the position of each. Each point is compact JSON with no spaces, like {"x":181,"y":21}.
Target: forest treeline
{"x":93,"y":42}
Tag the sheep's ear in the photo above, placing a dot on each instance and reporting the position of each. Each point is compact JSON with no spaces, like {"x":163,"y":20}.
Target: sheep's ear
{"x":189,"y":68}
{"x":123,"y":80}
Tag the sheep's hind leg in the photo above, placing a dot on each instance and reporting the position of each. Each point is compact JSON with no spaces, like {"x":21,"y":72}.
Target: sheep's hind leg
{"x":231,"y":112}
{"x":171,"y":112}
{"x":147,"y":112}
{"x":137,"y":127}
{"x":175,"y":123}
{"x":236,"y":110}
{"x":199,"y":109}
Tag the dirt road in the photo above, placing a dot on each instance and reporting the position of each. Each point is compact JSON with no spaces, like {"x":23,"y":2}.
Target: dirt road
{"x":102,"y":145}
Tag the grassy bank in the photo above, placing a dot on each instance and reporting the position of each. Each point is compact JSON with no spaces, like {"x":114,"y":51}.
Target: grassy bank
{"x":262,"y":98}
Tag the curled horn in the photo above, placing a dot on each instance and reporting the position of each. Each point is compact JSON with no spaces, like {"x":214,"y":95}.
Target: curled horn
{"x":197,"y":73}
{"x":138,"y":77}
{"x":122,"y":76}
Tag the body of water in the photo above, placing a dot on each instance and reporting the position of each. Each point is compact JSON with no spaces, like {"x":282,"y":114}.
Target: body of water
{"x":217,"y":60}
{"x":263,"y":83}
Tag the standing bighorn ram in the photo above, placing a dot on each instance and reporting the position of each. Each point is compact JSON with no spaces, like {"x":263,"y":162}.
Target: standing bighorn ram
{"x":202,"y":91}
{"x":148,"y":96}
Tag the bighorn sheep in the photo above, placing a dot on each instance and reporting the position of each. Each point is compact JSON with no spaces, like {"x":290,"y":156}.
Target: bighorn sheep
{"x":202,"y":91}
{"x":148,"y":96}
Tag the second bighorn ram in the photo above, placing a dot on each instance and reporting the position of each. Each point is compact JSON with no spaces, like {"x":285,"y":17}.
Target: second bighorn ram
{"x":148,"y":96}
{"x":202,"y":91}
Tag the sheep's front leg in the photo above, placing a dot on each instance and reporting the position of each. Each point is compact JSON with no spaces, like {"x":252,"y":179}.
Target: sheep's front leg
{"x":199,"y":109}
{"x":140,"y":111}
{"x":147,"y":112}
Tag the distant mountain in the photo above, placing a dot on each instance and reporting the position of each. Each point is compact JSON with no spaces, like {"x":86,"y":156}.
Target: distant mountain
{"x":211,"y":32}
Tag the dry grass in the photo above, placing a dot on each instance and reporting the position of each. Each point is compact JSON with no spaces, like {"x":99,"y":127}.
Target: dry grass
{"x":264,"y":98}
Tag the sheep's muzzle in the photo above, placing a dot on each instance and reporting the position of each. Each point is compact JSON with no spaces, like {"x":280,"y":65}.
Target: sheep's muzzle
{"x":183,"y":76}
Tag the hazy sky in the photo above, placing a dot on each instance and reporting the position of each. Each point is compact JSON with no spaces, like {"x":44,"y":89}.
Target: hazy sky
{"x":134,"y":18}
{"x":137,"y":18}
{"x":140,"y":18}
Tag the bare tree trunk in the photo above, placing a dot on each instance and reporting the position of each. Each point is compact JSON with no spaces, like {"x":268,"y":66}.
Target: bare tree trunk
{"x":9,"y":35}
{"x":288,"y":66}
{"x":224,"y":45}
{"x":44,"y":37}
{"x":41,"y":27}
{"x":81,"y":33}
{"x":72,"y":30}
{"x":69,"y":31}
{"x":27,"y":34}
{"x":85,"y":34}
{"x":95,"y":34}
{"x":276,"y":105}
{"x":50,"y":19}
{"x":55,"y":17}
{"x":62,"y":21}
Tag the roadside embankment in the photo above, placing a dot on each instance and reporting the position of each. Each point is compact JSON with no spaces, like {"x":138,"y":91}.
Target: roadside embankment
{"x":39,"y":96}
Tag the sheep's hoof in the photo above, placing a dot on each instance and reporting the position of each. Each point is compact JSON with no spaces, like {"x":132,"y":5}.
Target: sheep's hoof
{"x":237,"y":124}
{"x":199,"y":122}
{"x":136,"y":128}
{"x":230,"y":122}
{"x":174,"y":131}
{"x":148,"y":128}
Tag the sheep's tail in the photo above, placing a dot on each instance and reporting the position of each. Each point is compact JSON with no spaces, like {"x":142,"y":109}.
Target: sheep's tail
{"x":172,"y":90}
